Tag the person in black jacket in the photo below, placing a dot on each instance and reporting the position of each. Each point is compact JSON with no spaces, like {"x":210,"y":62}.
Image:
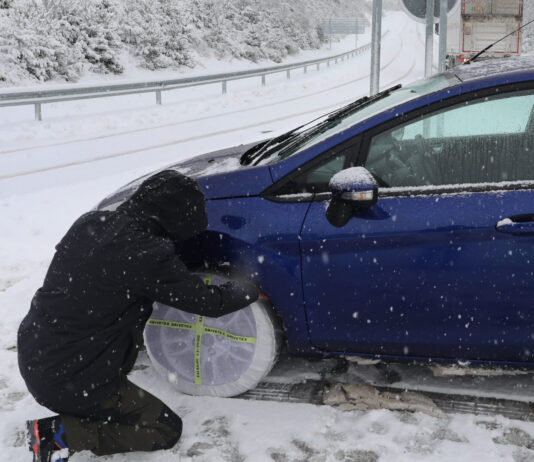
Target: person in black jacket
{"x":84,"y":328}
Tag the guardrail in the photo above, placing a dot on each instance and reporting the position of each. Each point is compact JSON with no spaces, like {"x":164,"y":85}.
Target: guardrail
{"x":40,"y":97}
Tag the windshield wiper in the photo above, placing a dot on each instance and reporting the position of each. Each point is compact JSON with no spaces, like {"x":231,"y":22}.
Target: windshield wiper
{"x":259,"y":149}
{"x":248,"y":155}
{"x":259,"y":152}
{"x":335,"y":116}
{"x":360,"y":103}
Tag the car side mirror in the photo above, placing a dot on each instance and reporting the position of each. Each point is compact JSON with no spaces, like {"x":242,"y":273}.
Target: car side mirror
{"x":351,"y":189}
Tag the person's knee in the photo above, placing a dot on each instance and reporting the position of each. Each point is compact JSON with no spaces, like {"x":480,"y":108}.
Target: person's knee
{"x":173,"y":428}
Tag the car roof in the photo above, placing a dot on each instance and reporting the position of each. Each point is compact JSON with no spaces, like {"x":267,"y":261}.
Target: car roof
{"x":495,"y":67}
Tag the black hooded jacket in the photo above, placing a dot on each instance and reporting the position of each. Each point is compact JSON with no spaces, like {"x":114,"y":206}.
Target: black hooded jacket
{"x":85,"y":322}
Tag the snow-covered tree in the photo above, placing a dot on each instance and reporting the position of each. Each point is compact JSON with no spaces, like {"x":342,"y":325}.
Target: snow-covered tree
{"x":60,"y":39}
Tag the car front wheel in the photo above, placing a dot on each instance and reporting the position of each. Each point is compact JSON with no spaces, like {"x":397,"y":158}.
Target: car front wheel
{"x":223,"y":356}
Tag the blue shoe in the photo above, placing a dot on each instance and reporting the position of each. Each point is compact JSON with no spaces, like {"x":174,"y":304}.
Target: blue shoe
{"x":46,"y":438}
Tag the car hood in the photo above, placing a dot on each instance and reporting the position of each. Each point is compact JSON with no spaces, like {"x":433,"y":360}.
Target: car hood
{"x":219,"y":174}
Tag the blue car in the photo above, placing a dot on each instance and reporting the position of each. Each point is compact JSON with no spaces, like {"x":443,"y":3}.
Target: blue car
{"x":398,"y":227}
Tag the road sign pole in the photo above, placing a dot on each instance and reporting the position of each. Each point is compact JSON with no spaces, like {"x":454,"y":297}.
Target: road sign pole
{"x":375,"y":46}
{"x":429,"y":43}
{"x":442,"y":35}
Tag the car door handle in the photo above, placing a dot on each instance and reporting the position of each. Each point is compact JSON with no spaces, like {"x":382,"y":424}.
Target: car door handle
{"x":517,"y":224}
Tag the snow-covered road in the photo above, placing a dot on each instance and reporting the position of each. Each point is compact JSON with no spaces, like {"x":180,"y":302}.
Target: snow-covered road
{"x":53,"y":171}
{"x":191,"y":121}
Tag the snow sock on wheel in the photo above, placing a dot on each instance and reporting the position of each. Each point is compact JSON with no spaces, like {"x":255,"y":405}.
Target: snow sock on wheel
{"x":222,"y":356}
{"x":46,"y":438}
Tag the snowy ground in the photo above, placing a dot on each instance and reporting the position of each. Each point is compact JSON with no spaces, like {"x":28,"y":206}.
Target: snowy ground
{"x":51,"y":172}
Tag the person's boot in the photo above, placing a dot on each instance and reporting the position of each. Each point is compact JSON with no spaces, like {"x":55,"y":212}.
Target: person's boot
{"x":46,"y":438}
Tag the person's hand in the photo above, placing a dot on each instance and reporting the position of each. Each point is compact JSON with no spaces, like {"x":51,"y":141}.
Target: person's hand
{"x":238,"y":294}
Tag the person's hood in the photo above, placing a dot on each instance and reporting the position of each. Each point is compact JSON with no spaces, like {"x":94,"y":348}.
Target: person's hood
{"x":170,"y":203}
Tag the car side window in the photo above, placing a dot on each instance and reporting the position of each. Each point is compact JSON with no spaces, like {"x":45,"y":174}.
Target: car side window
{"x":315,"y":176}
{"x":323,"y":173}
{"x":316,"y":179}
{"x":485,"y":140}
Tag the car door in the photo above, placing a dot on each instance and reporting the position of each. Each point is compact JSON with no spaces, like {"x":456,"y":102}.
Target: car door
{"x":443,"y":265}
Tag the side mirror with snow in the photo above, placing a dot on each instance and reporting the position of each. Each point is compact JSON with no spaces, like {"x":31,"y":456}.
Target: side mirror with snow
{"x":351,"y":188}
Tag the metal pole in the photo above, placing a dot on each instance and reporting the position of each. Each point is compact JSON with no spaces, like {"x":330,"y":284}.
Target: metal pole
{"x":442,"y":35}
{"x":38,"y":113}
{"x":224,"y":87}
{"x":158,"y":97}
{"x":376,"y":35}
{"x":429,"y":43}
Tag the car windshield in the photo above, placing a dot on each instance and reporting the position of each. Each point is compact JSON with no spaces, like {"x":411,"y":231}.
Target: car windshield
{"x":331,"y":127}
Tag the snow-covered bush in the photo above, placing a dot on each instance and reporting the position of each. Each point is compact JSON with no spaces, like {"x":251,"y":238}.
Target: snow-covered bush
{"x":92,"y":28}
{"x":32,"y":47}
{"x":156,"y":32}
{"x":254,"y":29}
{"x":58,"y":40}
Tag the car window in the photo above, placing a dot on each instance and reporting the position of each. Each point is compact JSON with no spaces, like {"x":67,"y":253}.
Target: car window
{"x":316,"y":179}
{"x":488,"y":139}
{"x":323,"y":173}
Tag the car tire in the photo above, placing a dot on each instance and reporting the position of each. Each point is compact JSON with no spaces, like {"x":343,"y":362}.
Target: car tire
{"x":223,"y":356}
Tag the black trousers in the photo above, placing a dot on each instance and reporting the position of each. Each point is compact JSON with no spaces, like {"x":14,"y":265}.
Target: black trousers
{"x":131,"y":420}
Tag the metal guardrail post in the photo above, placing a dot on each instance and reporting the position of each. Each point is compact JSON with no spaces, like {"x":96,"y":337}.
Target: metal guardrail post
{"x":263,"y":80}
{"x":288,"y":74}
{"x":224,"y":87}
{"x":158,"y":97}
{"x":38,"y":113}
{"x":318,"y":66}
{"x":305,"y":69}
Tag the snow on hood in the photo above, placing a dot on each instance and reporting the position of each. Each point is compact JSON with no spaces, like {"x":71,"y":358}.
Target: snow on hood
{"x":217,"y":162}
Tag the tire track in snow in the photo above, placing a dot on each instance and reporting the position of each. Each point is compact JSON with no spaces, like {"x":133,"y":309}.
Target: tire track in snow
{"x":200,"y":119}
{"x":209,"y":117}
{"x":216,"y":133}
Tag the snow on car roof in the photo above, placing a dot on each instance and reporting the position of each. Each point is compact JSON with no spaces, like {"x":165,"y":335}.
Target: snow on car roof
{"x":494,"y":66}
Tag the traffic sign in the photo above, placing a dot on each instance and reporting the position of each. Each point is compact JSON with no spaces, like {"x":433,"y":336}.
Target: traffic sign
{"x":416,"y":9}
{"x":343,"y":26}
